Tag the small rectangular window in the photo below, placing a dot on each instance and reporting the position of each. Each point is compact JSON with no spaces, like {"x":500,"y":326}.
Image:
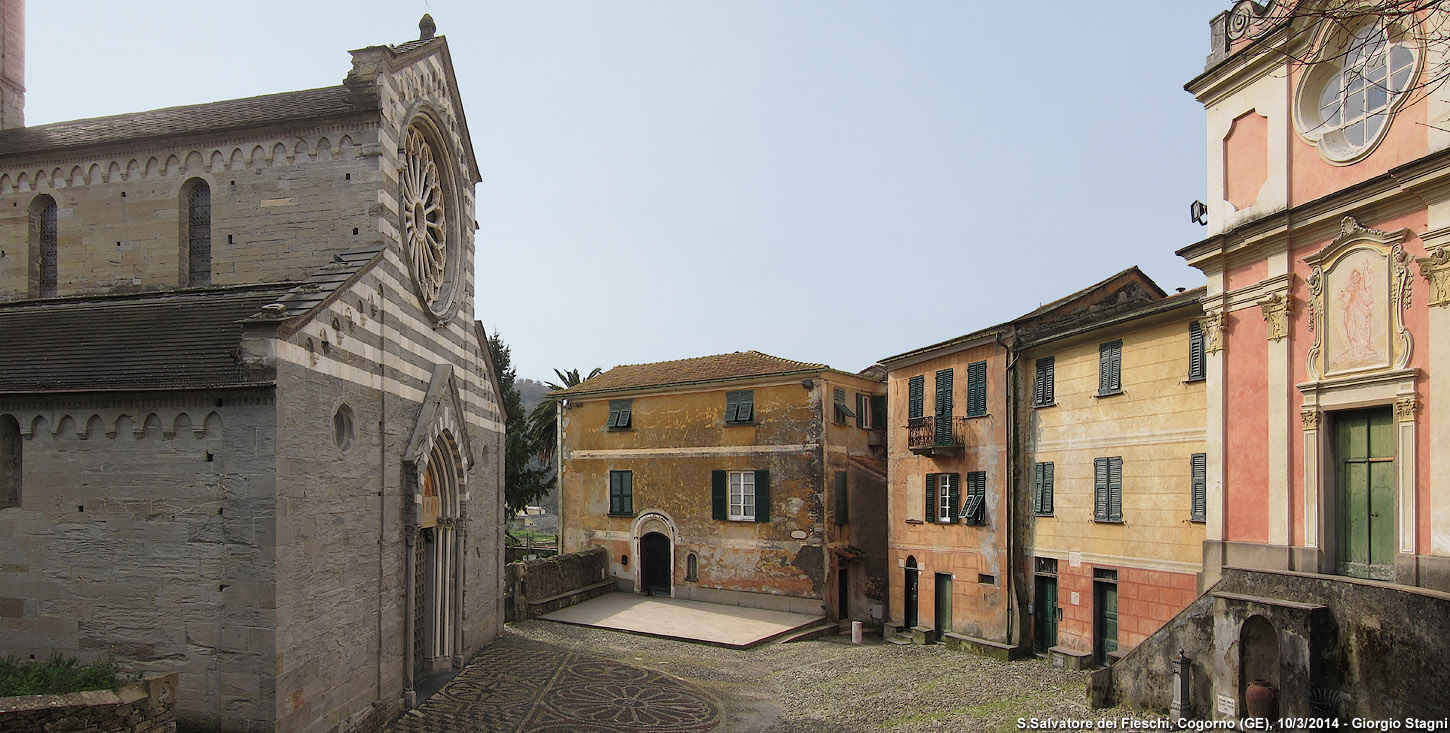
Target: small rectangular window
{"x":1046,"y":566}
{"x":977,"y":389}
{"x":1195,"y":351}
{"x":619,"y":414}
{"x":742,"y":496}
{"x":942,"y":495}
{"x":621,"y":492}
{"x":984,"y":579}
{"x":1043,"y":385}
{"x":1110,"y":368}
{"x":916,"y":396}
{"x":1108,"y":489}
{"x":1042,"y":489}
{"x":863,"y":411}
{"x":843,"y":499}
{"x":1198,"y":468}
{"x":739,"y":406}
{"x":975,"y":510}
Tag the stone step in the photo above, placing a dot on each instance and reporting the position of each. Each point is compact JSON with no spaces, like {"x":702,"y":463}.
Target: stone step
{"x":817,"y":631}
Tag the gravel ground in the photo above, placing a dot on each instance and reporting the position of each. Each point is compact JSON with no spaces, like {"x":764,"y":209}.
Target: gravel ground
{"x":830,"y":685}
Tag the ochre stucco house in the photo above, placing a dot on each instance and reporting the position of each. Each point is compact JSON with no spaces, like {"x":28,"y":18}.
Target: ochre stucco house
{"x":741,"y":478}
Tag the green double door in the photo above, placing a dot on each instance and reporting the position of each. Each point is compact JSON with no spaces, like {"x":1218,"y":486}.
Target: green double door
{"x":1046,"y":613}
{"x":1364,"y":480}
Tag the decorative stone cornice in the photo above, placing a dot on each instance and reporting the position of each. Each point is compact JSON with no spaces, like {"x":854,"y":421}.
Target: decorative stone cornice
{"x":1435,"y":268}
{"x":1214,"y":328}
{"x":1277,"y":308}
{"x":1405,"y":408}
{"x":1310,"y":416}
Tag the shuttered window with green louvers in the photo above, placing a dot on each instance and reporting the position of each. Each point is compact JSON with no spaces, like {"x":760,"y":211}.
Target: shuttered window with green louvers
{"x":944,"y":407}
{"x":1195,"y":351}
{"x":977,"y":389}
{"x":1110,"y":368}
{"x":1044,"y":385}
{"x":619,"y":414}
{"x":1108,"y":489}
{"x":1198,"y":466}
{"x":975,"y":509}
{"x":739,"y":406}
{"x":621,"y":492}
{"x":1042,"y":489}
{"x":916,"y":396}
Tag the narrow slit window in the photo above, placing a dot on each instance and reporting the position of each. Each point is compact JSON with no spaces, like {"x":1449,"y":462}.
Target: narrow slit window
{"x":198,"y":235}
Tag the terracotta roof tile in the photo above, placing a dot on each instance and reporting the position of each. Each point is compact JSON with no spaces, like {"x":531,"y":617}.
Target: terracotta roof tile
{"x":738,"y":365}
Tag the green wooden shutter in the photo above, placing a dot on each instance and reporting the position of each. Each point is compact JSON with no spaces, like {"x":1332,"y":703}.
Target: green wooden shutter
{"x":1037,"y":485}
{"x":762,"y":496}
{"x":1100,"y":489}
{"x":931,"y":497}
{"x":613,"y":492}
{"x":1048,"y":391}
{"x":1115,"y":489}
{"x":1199,"y":463}
{"x":916,"y":396}
{"x":719,"y":496}
{"x":954,"y":495}
{"x":732,"y":406}
{"x":1047,"y":470}
{"x":944,"y":407}
{"x":1039,"y":384}
{"x":878,"y":411}
{"x":747,"y":406}
{"x":977,"y":389}
{"x":843,"y":507}
{"x":1105,"y":369}
{"x":860,"y":410}
{"x":1195,"y":350}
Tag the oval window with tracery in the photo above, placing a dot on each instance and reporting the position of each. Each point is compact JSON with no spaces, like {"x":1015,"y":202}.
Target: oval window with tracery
{"x":425,"y":224}
{"x":1346,"y":100}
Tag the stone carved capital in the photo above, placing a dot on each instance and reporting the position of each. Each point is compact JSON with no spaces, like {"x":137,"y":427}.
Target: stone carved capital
{"x":1435,"y":268}
{"x":1405,"y":408}
{"x":1214,"y":327}
{"x":1277,"y":308}
{"x":1310,"y":416}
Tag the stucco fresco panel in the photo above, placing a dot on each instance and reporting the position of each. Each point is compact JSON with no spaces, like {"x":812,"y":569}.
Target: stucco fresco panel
{"x":1357,"y":318}
{"x":1246,"y":159}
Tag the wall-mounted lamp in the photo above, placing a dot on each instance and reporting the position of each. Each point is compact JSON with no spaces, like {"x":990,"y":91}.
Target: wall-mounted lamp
{"x":1198,"y":213}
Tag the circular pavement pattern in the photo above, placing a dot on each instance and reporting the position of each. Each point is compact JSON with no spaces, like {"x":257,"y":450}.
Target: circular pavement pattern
{"x":547,"y":690}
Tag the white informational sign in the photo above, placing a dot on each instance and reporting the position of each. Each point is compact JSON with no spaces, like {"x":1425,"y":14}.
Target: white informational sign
{"x":1075,"y":599}
{"x":1227,"y":706}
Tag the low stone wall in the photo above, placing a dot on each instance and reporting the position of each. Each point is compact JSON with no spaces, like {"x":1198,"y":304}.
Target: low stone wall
{"x":537,"y":587}
{"x":1366,"y":645}
{"x":147,"y":706}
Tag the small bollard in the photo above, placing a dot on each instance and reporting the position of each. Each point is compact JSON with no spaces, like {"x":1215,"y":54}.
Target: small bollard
{"x":855,"y":632}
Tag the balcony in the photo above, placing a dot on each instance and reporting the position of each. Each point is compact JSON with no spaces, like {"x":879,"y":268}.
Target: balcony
{"x":923,"y":438}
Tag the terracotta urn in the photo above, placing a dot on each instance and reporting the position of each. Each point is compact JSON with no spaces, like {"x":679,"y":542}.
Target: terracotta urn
{"x":1259,"y":699}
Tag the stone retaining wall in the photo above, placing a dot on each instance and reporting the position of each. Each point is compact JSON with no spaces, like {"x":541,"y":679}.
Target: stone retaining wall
{"x":145,"y":707}
{"x":537,"y":587}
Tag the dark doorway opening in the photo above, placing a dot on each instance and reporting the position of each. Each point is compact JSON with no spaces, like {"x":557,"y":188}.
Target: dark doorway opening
{"x":909,"y":606}
{"x":843,"y":594}
{"x":654,"y":563}
{"x":943,"y":604}
{"x":1046,"y":613}
{"x":1105,"y":614}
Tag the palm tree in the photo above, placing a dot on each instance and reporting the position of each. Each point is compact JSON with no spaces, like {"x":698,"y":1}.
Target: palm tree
{"x":541,"y":421}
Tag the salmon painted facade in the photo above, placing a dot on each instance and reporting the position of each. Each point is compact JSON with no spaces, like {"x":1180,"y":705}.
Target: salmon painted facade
{"x":1327,"y":536}
{"x":743,"y":479}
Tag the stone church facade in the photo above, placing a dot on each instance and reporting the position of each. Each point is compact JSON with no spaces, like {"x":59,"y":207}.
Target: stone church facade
{"x":249,"y":430}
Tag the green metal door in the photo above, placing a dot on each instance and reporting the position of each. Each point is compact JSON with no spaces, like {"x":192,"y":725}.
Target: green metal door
{"x":1046,"y":613}
{"x":1364,"y":480}
{"x":943,"y":604}
{"x":1105,"y":603}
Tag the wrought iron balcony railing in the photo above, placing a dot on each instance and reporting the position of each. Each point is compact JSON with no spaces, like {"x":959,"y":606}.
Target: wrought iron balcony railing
{"x":928,"y":435}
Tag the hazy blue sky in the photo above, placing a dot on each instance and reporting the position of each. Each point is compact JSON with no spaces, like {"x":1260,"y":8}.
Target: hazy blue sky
{"x":831,"y":180}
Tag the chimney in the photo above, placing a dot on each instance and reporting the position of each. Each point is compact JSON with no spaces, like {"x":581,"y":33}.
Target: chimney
{"x":12,"y":64}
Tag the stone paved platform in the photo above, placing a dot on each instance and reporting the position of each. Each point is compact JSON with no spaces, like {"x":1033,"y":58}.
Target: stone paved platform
{"x":670,"y":618}
{"x":527,"y":686}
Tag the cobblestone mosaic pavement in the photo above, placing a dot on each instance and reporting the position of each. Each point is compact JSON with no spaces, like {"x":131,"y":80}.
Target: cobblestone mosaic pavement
{"x":520,"y":685}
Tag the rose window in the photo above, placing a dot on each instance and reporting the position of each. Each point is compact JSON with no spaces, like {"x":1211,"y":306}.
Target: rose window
{"x":424,"y":223}
{"x":1346,"y":100}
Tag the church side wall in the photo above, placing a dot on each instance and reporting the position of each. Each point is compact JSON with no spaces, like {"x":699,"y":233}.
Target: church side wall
{"x":144,"y":531}
{"x":282,"y":202}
